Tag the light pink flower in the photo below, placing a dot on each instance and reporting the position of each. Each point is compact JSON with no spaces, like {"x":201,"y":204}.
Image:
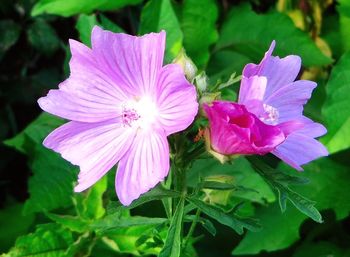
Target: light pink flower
{"x":122,"y":103}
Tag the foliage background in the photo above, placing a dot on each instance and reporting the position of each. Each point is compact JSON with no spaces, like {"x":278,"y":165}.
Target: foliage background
{"x":40,"y":214}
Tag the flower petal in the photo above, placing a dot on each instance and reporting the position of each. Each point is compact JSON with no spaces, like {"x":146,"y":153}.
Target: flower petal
{"x":177,"y":100}
{"x":252,"y":88}
{"x":299,"y":149}
{"x":143,"y":166}
{"x":278,"y":72}
{"x":133,"y":62}
{"x":94,"y":147}
{"x":88,"y":95}
{"x":233,"y":130}
{"x":290,"y":99}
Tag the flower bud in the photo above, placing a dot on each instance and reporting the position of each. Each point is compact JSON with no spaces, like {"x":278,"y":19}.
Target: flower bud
{"x":186,"y":64}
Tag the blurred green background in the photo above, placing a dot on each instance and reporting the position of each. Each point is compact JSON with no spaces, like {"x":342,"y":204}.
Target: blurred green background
{"x":221,"y":37}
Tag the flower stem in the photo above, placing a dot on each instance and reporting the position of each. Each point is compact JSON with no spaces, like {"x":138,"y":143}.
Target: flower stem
{"x":192,"y":228}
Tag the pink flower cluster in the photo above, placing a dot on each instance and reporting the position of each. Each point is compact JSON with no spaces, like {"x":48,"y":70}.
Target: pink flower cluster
{"x":123,"y":103}
{"x":268,"y":117}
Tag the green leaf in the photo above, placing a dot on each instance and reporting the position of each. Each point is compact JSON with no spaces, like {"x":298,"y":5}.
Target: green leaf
{"x":114,"y":222}
{"x":93,"y":200}
{"x":49,"y":240}
{"x":72,"y":7}
{"x":34,"y":133}
{"x":159,"y":15}
{"x":14,"y":223}
{"x":231,"y":220}
{"x":84,"y":25}
{"x":83,"y":246}
{"x":280,"y":184}
{"x":172,"y":245}
{"x":279,"y":231}
{"x":125,"y":240}
{"x":51,"y":185}
{"x":221,"y":65}
{"x":207,"y":224}
{"x":110,"y":25}
{"x":157,"y":193}
{"x":344,"y":23}
{"x":199,"y":29}
{"x":43,"y":37}
{"x":243,"y":175}
{"x":337,"y":107}
{"x":73,"y":223}
{"x":328,"y":187}
{"x":322,"y":249}
{"x":238,"y":34}
{"x":9,"y":32}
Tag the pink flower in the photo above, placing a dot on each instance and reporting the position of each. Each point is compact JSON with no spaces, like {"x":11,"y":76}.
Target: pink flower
{"x":234,"y":130}
{"x":269,"y":94}
{"x":122,"y":103}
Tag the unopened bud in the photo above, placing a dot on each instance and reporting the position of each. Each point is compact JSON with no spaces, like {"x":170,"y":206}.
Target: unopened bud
{"x":201,"y":82}
{"x":187,"y":65}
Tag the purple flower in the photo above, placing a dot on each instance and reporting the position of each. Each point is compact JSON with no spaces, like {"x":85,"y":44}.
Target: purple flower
{"x":122,"y":103}
{"x":270,"y":95}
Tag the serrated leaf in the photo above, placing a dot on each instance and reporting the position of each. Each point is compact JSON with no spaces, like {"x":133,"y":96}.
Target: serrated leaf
{"x":49,"y":240}
{"x":157,"y":193}
{"x":172,"y":245}
{"x":124,"y":240}
{"x":336,"y":109}
{"x":114,"y":222}
{"x":231,"y":220}
{"x":72,"y":7}
{"x":51,"y":185}
{"x":273,"y":177}
{"x":9,"y":32}
{"x":43,"y":37}
{"x":199,"y":28}
{"x":72,"y":223}
{"x":244,"y":177}
{"x":238,"y":35}
{"x":328,"y":187}
{"x":159,"y":15}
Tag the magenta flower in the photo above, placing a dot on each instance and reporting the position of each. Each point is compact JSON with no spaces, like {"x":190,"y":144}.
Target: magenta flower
{"x":270,"y":95}
{"x":234,"y":130}
{"x":122,"y":103}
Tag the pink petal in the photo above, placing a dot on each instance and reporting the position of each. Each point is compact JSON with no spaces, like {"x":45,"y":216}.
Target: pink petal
{"x":290,"y":99}
{"x":252,"y":88}
{"x":88,"y":95}
{"x":143,"y":166}
{"x":133,"y":62}
{"x":278,"y":72}
{"x":299,"y":149}
{"x":94,"y":147}
{"x":177,"y":99}
{"x":233,"y":130}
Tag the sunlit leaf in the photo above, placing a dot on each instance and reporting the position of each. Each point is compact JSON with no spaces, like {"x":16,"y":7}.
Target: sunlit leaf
{"x":159,"y":15}
{"x":336,"y":109}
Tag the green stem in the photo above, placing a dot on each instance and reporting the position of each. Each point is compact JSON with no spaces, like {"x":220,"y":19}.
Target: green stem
{"x":192,"y":228}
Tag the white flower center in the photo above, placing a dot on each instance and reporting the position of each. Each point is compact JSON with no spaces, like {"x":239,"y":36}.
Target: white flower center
{"x":140,"y":113}
{"x":270,"y":116}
